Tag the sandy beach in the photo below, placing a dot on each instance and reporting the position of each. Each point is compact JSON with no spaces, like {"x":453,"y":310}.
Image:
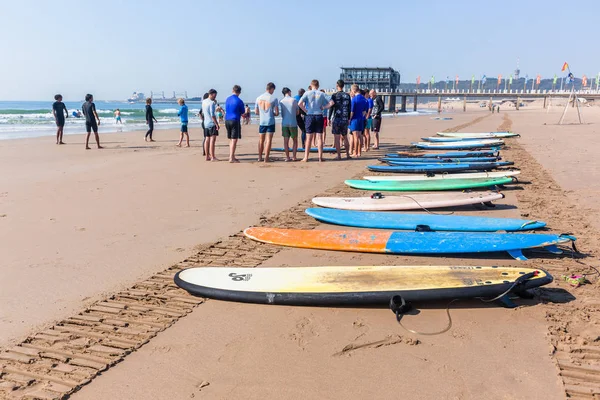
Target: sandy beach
{"x":80,"y":228}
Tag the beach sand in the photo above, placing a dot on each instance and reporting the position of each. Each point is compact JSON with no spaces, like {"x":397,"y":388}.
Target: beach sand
{"x":78,"y":226}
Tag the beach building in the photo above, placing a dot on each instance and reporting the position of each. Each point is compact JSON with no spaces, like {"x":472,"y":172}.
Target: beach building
{"x":380,"y":79}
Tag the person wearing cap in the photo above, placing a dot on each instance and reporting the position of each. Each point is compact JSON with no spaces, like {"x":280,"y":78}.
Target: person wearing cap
{"x":289,"y":127}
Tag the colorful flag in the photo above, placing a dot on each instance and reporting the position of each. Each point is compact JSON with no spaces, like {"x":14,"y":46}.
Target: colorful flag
{"x":584,"y":81}
{"x":510,"y":80}
{"x":432,"y":80}
{"x":473,"y":80}
{"x":555,"y":78}
{"x":499,"y":79}
{"x":418,"y":80}
{"x":539,"y":79}
{"x":483,"y":79}
{"x":565,"y":67}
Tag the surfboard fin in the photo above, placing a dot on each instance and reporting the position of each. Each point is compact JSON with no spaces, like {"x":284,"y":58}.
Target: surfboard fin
{"x":505,"y":301}
{"x":517,"y":254}
{"x":554,"y":249}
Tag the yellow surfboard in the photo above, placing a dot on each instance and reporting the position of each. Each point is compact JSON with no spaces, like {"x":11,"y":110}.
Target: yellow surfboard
{"x":356,"y":285}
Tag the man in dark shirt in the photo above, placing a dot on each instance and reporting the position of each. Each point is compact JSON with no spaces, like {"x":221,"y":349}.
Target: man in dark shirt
{"x":91,"y":116}
{"x":150,"y":120}
{"x":378,"y":108}
{"x":339,"y":115}
{"x":300,"y":117}
{"x":59,"y":110}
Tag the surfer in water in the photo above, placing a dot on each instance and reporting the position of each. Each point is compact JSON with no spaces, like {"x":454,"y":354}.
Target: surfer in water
{"x":91,"y":116}
{"x":118,"y":117}
{"x":59,"y":110}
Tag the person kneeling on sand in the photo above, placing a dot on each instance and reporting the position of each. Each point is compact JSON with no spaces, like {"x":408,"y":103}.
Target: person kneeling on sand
{"x":211,"y":125}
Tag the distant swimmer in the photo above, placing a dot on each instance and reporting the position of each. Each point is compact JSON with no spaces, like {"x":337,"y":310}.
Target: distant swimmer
{"x":339,"y":116}
{"x":59,"y":110}
{"x":77,"y":114}
{"x":150,"y":120}
{"x":267,"y":107}
{"x":211,"y":124}
{"x":246,"y":116}
{"x":183,"y":116}
{"x":220,"y":113}
{"x":289,"y":127}
{"x":313,"y":102}
{"x":118,"y":117}
{"x":91,"y":116}
{"x":376,"y":111}
{"x":234,"y":109}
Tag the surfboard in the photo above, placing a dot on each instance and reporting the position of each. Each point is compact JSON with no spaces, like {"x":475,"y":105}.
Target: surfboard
{"x":464,"y":175}
{"x":472,"y":144}
{"x":366,"y":285}
{"x":312,"y":150}
{"x":437,"y":139}
{"x":430,"y":160}
{"x":440,"y":184}
{"x":480,"y":135}
{"x":407,"y":221}
{"x":445,"y":162}
{"x":438,"y":168}
{"x":401,"y":242}
{"x":413,"y":201}
{"x":442,"y":154}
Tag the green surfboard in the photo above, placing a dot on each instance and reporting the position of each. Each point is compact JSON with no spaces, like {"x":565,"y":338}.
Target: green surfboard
{"x":410,"y":186}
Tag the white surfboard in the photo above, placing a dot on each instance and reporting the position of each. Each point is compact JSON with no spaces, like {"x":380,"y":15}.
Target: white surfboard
{"x":482,"y":135}
{"x":441,"y":145}
{"x":412,"y":178}
{"x":412,"y":201}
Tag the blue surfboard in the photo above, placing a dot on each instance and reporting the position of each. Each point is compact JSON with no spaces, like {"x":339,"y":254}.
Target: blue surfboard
{"x":435,"y":168}
{"x":408,"y":221}
{"x":437,"y":139}
{"x":450,"y":154}
{"x":438,"y":163}
{"x":439,"y":160}
{"x":457,"y":146}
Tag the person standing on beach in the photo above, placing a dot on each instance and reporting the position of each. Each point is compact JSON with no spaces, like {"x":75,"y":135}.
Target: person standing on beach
{"x":246,"y":115}
{"x":358,"y":111}
{"x":313,"y":102}
{"x":339,"y":116}
{"x":267,"y":107}
{"x":201,"y":116}
{"x":234,"y":109}
{"x":289,"y":127}
{"x":118,"y":117}
{"x":150,"y":120}
{"x":59,"y":110}
{"x":211,"y":125}
{"x":91,"y":116}
{"x":183,"y":116}
{"x":300,"y":117}
{"x":377,"y":110}
{"x":369,"y":121}
{"x":325,"y":121}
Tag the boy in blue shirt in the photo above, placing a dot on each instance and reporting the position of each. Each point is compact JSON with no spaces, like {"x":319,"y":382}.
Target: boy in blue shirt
{"x":183,"y":115}
{"x":358,"y":112}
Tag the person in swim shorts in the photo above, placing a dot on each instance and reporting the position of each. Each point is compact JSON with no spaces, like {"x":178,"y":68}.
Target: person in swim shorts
{"x":267,"y":107}
{"x":91,"y":116}
{"x":183,"y":117}
{"x":339,"y":115}
{"x":211,"y":124}
{"x":313,"y":102}
{"x":59,"y":111}
{"x":234,"y":109}
{"x":289,"y":127}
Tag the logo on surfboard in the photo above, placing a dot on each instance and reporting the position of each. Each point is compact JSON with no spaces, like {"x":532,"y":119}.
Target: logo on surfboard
{"x":240,"y":277}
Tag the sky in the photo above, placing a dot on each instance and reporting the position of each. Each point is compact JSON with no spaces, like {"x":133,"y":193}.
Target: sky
{"x":111,"y":48}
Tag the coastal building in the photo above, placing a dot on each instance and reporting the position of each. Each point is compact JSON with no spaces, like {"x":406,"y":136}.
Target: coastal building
{"x":380,"y":79}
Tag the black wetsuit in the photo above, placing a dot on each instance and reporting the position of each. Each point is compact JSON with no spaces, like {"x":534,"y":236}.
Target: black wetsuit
{"x":89,"y":109}
{"x":150,"y":120}
{"x":59,"y":111}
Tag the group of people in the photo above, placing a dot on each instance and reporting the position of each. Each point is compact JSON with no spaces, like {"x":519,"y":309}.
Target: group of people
{"x":310,"y":112}
{"x":352,"y":116}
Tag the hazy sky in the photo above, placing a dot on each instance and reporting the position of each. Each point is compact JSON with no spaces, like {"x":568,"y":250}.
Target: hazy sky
{"x":112,"y":48}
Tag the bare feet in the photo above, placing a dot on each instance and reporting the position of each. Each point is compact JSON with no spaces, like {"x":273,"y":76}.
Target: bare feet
{"x":187,"y":145}
{"x":260,"y":160}
{"x":338,"y":158}
{"x":234,"y":160}
{"x":178,"y":145}
{"x":100,"y":147}
{"x":304,"y":160}
{"x":321,"y":160}
{"x":215,"y":159}
{"x":288,"y":159}
{"x":294,"y":159}
{"x":152,"y":140}
{"x":88,"y":148}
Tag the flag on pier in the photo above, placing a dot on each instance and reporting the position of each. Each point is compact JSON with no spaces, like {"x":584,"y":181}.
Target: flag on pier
{"x":483,"y":79}
{"x":510,"y":80}
{"x":432,"y":80}
{"x":473,"y":80}
{"x":499,"y":79}
{"x":584,"y":81}
{"x":418,"y":80}
{"x":539,"y":79}
{"x":457,"y":79}
{"x":556,"y":77}
{"x":565,"y":67}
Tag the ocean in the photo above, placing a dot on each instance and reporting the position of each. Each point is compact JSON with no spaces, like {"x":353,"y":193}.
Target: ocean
{"x":26,"y":119}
